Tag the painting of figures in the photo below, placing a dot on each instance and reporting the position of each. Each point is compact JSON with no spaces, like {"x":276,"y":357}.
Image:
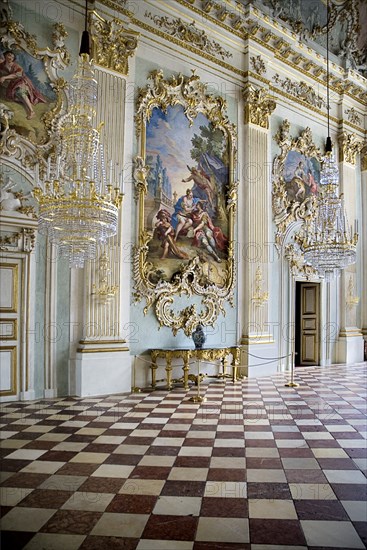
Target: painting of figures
{"x":185,"y":203}
{"x":301,"y":176}
{"x":26,"y":92}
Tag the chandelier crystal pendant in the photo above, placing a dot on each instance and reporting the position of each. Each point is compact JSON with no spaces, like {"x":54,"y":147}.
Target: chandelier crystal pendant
{"x":328,"y":244}
{"x":78,"y":206}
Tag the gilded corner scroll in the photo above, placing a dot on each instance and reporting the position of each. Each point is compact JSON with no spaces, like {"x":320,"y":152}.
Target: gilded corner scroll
{"x":186,"y":194}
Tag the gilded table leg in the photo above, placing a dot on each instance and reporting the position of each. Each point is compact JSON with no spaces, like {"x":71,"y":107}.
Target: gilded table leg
{"x":153,"y":368}
{"x":169,"y":373}
{"x":186,"y":368}
{"x":235,"y":363}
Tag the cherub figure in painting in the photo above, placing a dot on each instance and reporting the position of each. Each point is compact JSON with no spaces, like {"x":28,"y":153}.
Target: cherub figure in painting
{"x":165,"y":233}
{"x":16,"y":86}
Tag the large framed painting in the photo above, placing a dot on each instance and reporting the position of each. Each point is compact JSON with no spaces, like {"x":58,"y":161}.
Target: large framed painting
{"x":187,"y":200}
{"x":31,"y":91}
{"x":296,"y":178}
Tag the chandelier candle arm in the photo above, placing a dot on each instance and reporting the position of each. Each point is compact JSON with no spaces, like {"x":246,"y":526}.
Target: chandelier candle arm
{"x":78,"y":210}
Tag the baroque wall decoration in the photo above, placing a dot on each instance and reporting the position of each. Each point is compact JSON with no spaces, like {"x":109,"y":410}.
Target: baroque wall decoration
{"x":301,"y":90}
{"x":296,"y":174}
{"x":259,"y":106}
{"x":353,"y":116}
{"x":258,"y":65}
{"x":31,"y":92}
{"x":188,"y":32}
{"x":112,"y":44}
{"x":187,"y":200}
{"x":350,"y":146}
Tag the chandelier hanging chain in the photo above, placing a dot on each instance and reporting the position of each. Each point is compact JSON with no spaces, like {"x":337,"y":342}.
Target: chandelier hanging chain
{"x":78,"y":203}
{"x":328,"y":244}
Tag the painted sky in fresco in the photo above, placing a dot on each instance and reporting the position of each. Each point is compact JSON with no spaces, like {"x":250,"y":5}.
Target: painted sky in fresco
{"x":169,"y":135}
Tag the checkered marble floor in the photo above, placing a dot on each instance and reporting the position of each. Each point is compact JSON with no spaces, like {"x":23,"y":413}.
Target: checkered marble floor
{"x":257,"y":466}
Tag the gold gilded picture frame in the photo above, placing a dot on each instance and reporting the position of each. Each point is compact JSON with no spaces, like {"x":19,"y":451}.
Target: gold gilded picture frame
{"x":295,"y":179}
{"x":32,"y":94}
{"x":184,"y":265}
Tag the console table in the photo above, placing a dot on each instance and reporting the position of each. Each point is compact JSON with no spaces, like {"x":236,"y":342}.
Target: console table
{"x":204,"y":354}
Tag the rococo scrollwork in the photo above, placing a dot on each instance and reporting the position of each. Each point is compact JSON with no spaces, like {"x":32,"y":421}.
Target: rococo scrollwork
{"x":184,"y":260}
{"x":296,"y":173}
{"x":31,"y":104}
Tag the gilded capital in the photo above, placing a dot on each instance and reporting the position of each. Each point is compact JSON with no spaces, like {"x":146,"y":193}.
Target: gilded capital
{"x":259,"y":106}
{"x":112,"y":44}
{"x":349,"y":146}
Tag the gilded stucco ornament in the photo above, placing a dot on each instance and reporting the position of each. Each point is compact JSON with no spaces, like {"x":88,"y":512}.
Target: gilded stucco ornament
{"x":196,"y":277}
{"x":297,"y":265}
{"x":30,"y":139}
{"x":287,"y":209}
{"x":353,"y":116}
{"x":349,"y":147}
{"x":259,"y":106}
{"x":258,"y":65}
{"x":301,"y":90}
{"x":189,"y":33}
{"x":112,"y":43}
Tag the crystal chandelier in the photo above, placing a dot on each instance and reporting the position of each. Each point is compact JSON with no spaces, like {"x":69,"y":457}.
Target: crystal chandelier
{"x":78,"y":206}
{"x":328,"y":244}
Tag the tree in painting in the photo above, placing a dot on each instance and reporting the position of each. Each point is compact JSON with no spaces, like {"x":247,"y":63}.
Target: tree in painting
{"x":185,"y":203}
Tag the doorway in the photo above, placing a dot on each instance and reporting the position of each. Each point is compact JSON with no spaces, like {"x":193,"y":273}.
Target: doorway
{"x":307,"y":325}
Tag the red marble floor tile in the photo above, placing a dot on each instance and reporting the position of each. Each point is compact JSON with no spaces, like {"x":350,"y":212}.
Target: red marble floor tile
{"x":40,"y":445}
{"x":150,"y":472}
{"x":158,"y":450}
{"x":102,"y":485}
{"x":77,"y":469}
{"x":13,"y":464}
{"x":99,"y":448}
{"x":296,"y":453}
{"x":275,"y":531}
{"x":170,"y":527}
{"x":192,"y":462}
{"x":26,"y":480}
{"x":128,"y":460}
{"x":337,"y":464}
{"x":263,"y":463}
{"x":229,"y":451}
{"x":268,"y":443}
{"x":227,"y":474}
{"x":71,"y":521}
{"x":132,"y":504}
{"x":108,"y":543}
{"x":43,"y":498}
{"x":268,"y":490}
{"x":305,"y":476}
{"x":57,"y":456}
{"x":361,"y":528}
{"x":184,"y":488}
{"x":350,"y":491}
{"x":197,"y":442}
{"x":323,"y":510}
{"x":224,"y":507}
{"x":130,"y":440}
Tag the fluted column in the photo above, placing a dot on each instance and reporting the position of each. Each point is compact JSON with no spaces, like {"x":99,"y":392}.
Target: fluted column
{"x":102,"y":361}
{"x":350,"y":343}
{"x":256,"y":212}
